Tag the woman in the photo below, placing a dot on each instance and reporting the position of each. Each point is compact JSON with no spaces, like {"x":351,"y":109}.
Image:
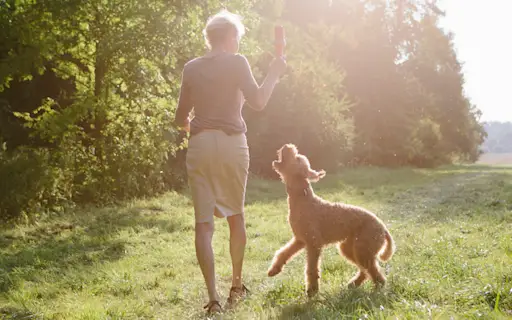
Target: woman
{"x":214,"y":86}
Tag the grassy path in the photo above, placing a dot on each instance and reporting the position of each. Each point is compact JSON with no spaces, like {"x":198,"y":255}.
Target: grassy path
{"x":453,"y":228}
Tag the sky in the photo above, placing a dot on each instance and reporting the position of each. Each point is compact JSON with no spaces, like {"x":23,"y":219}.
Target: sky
{"x":483,"y":40}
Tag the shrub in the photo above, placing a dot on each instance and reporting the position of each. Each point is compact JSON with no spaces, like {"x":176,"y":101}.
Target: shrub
{"x":32,"y":182}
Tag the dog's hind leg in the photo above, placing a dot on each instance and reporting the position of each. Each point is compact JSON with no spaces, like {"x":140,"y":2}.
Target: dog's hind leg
{"x":358,"y":279}
{"x":366,"y":251}
{"x":312,"y":270}
{"x":283,"y":255}
{"x":376,"y":274}
{"x":347,"y":250}
{"x":367,"y":261}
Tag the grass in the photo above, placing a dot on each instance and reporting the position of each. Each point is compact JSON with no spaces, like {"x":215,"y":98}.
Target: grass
{"x":452,"y":227}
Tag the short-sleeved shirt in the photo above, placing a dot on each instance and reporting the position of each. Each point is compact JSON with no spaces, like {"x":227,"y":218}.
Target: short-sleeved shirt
{"x":215,"y":87}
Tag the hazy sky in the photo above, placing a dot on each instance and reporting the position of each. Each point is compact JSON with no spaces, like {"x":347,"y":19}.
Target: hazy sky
{"x":483,"y":39}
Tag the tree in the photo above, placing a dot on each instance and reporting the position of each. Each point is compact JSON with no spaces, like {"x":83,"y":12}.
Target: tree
{"x":115,"y":68}
{"x":88,"y":89}
{"x":436,"y":70}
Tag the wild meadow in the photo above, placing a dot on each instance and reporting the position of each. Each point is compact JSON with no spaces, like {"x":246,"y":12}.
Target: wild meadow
{"x":137,"y":260}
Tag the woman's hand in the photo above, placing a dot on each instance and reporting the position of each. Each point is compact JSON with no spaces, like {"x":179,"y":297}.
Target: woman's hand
{"x":186,"y":125}
{"x":278,"y":66}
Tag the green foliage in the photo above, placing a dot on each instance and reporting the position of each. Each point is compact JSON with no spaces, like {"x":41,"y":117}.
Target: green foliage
{"x":436,"y":70}
{"x":33,"y":182}
{"x":94,"y":85}
{"x":427,"y":146}
{"x":393,"y":80}
{"x":109,"y":121}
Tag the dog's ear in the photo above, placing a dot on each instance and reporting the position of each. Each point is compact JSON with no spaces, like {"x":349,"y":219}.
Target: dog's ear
{"x":277,"y":166}
{"x":314,"y":175}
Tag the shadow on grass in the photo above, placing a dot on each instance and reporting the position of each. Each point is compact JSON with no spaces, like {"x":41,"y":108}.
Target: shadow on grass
{"x":9,"y":313}
{"x":113,"y":220}
{"x":346,"y":304}
{"x":292,"y":303}
{"x":57,"y":257}
{"x":86,"y":239}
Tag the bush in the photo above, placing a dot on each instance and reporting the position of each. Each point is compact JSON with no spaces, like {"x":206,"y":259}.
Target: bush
{"x":427,"y":149}
{"x":32,"y":183}
{"x":129,"y":158}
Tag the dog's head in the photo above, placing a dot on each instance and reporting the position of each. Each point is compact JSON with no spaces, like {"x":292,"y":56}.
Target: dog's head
{"x":291,"y":164}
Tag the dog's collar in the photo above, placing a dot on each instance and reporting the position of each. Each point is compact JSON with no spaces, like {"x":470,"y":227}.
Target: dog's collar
{"x":303,"y":192}
{"x":300,"y":188}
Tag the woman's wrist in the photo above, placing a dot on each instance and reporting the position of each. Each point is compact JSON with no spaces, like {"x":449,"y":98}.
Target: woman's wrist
{"x":272,"y":77}
{"x":277,"y":68}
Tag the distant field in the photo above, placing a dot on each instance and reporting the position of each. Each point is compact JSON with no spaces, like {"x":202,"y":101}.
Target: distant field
{"x":496,"y":159}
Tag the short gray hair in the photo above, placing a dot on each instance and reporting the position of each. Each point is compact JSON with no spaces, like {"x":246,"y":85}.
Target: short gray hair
{"x":220,"y":24}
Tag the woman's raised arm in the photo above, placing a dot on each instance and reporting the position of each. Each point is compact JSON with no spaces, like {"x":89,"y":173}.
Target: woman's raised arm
{"x":258,"y":96}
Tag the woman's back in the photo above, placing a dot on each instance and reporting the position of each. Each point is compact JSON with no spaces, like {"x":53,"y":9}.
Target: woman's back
{"x":213,"y":85}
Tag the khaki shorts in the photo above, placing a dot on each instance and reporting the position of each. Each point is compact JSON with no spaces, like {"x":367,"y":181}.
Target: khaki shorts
{"x":217,"y":167}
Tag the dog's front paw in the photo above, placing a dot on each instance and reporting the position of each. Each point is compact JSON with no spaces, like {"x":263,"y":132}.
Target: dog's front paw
{"x":274,"y":270}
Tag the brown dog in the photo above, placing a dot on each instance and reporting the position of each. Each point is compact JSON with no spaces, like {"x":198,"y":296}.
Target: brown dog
{"x":361,"y":236}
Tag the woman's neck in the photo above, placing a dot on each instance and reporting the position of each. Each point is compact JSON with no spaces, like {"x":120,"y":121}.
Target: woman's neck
{"x":216,"y":51}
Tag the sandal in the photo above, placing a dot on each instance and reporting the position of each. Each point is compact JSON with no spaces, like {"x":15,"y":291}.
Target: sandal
{"x":213,"y":307}
{"x":236,"y":294}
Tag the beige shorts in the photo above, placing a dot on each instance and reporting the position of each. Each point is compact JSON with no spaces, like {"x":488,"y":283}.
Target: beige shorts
{"x":217,"y":168}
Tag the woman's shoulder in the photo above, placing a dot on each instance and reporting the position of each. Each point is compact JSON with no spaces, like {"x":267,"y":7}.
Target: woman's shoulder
{"x":192,"y":62}
{"x":240,"y":57}
{"x":241,"y":62}
{"x":235,"y":59}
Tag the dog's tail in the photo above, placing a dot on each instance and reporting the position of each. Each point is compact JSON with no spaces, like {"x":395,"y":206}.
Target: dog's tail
{"x":389,"y":249}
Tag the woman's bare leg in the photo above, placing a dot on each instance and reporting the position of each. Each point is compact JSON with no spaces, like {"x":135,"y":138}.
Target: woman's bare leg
{"x":237,"y":241}
{"x":204,"y":253}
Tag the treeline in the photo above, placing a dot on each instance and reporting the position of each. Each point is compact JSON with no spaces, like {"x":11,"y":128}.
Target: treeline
{"x":499,"y":137}
{"x":89,"y":89}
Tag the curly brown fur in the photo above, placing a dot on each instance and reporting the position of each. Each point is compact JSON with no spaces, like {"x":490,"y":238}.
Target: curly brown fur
{"x":362,"y":237}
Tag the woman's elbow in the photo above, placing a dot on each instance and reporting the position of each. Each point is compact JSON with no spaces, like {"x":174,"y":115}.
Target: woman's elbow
{"x":258,"y":104}
{"x":259,"y":107}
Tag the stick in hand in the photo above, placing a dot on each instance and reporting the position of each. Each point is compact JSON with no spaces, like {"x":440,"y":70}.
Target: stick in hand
{"x":280,"y":41}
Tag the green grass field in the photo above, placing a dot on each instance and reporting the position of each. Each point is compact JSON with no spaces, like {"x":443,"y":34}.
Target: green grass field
{"x":453,"y":228}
